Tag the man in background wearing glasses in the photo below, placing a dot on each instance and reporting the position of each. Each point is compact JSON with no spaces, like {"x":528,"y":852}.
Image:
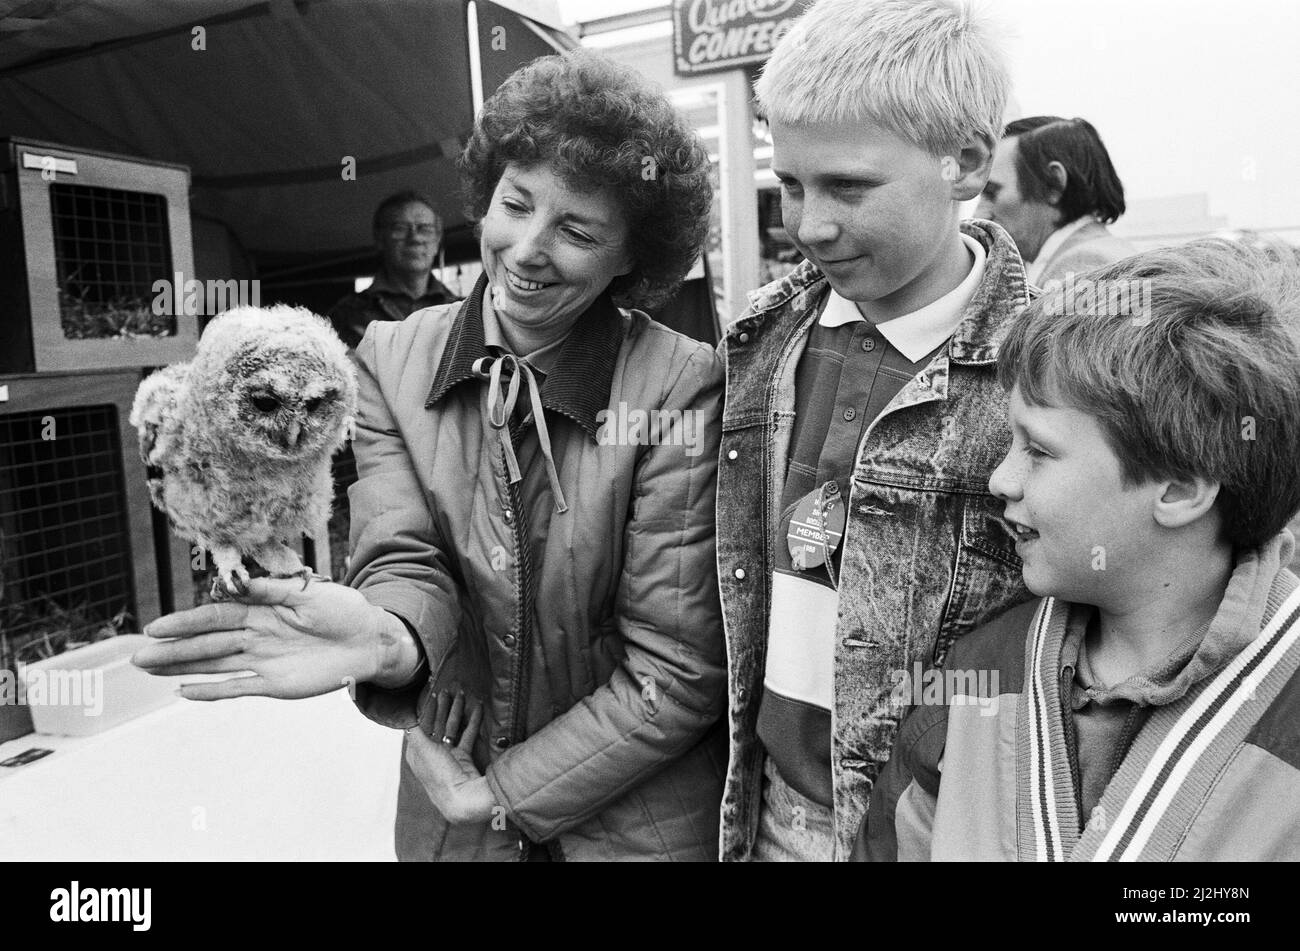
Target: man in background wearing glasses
{"x":408,"y":233}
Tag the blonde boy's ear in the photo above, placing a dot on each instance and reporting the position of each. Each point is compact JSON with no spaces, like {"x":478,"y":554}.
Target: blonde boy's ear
{"x":972,"y":166}
{"x":1183,"y":501}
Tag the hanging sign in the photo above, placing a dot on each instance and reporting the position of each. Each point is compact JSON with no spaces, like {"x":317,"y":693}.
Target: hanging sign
{"x":710,"y":35}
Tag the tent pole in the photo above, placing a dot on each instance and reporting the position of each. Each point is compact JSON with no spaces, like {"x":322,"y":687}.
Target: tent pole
{"x":475,"y":60}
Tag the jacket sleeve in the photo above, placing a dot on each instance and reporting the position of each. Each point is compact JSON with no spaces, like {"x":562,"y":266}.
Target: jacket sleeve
{"x":899,"y":823}
{"x":398,"y":559}
{"x":670,"y":685}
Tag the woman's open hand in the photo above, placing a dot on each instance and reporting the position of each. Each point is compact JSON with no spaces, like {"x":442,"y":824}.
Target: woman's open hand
{"x":439,"y":753}
{"x":297,"y":642}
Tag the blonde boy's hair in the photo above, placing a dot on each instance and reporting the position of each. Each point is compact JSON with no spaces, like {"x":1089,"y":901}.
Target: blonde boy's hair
{"x":928,"y":70}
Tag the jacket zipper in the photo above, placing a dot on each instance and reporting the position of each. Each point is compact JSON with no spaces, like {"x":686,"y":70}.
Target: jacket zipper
{"x":523,"y":613}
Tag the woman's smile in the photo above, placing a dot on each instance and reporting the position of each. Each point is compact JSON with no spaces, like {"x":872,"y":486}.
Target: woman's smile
{"x":524,"y":285}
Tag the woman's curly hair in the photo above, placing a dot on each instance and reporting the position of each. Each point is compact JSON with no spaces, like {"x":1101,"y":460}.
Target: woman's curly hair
{"x":597,"y":123}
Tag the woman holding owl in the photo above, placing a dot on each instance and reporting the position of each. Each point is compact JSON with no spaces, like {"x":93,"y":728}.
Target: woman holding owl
{"x":533,"y":573}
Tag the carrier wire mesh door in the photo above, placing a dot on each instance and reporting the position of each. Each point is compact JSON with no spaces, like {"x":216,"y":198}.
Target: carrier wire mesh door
{"x":66,"y":570}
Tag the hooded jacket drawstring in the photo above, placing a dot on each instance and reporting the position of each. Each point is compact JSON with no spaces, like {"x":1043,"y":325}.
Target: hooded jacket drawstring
{"x":501,"y":409}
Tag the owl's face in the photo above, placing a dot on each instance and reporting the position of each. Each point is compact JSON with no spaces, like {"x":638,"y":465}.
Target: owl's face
{"x":294,"y":406}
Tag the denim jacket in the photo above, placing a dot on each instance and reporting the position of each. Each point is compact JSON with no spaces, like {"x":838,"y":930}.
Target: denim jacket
{"x":926,"y":556}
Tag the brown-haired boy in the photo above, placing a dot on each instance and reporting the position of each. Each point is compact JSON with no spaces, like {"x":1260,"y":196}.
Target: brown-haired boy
{"x":1152,"y":694}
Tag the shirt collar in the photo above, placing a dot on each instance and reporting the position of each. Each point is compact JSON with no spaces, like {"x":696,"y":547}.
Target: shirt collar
{"x":1053,"y":244}
{"x":580,"y":377}
{"x":1143,"y":688}
{"x":916,"y":334}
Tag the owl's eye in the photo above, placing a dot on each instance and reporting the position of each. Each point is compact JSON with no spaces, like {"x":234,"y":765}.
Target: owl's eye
{"x":266,"y":403}
{"x":313,"y":404}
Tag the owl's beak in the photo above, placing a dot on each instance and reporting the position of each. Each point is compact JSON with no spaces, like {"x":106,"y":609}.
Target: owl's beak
{"x":291,"y":437}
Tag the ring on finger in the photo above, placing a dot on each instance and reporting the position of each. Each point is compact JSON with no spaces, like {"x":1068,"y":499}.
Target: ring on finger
{"x":448,"y":740}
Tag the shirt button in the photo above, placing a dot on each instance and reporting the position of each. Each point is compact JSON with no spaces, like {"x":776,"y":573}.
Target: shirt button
{"x":508,"y":515}
{"x":501,"y":742}
{"x":740,"y":574}
{"x":743,"y":338}
{"x":850,"y":414}
{"x":733,"y":455}
{"x":509,"y":640}
{"x":868,"y":345}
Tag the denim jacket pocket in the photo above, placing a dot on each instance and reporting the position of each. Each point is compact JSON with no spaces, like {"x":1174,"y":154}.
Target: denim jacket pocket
{"x":987,"y":574}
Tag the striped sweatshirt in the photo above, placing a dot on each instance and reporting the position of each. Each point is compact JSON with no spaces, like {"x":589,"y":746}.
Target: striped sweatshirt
{"x":986,"y":767}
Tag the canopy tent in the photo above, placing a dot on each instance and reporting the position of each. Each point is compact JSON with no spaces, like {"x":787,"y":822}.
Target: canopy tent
{"x":270,"y":104}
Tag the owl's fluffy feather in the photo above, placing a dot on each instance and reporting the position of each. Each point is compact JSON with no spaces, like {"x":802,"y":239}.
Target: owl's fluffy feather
{"x":242,"y":435}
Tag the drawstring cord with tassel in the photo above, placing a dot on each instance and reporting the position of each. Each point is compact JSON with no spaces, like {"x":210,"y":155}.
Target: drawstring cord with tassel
{"x":501,"y":409}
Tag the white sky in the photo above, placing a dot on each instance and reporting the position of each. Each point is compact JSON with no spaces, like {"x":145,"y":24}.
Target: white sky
{"x":1189,"y":95}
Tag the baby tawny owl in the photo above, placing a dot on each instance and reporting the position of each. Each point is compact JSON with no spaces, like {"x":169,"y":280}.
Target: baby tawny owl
{"x":241,"y":437}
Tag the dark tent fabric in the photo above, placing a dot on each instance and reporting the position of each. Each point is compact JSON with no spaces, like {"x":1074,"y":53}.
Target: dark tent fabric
{"x":267,"y":103}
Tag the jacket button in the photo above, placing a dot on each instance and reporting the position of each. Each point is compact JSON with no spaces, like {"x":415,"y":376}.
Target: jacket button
{"x":733,"y":455}
{"x":740,"y":693}
{"x":509,"y":640}
{"x":740,"y":574}
{"x":850,"y":414}
{"x":743,"y":338}
{"x":868,"y":345}
{"x":508,"y":515}
{"x":501,"y":742}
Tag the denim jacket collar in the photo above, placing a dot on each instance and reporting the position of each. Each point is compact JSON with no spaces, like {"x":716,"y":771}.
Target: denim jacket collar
{"x":579,"y":382}
{"x":1004,"y":288}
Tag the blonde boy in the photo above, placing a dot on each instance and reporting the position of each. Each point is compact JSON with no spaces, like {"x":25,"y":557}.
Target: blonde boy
{"x":856,"y":534}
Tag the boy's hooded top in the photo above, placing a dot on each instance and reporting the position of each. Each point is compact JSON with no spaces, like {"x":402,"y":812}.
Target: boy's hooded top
{"x":1211,"y":773}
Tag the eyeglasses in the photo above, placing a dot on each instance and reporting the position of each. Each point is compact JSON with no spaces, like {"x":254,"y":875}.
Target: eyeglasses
{"x":404,"y":231}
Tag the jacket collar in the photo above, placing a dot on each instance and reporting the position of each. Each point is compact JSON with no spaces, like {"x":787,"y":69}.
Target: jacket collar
{"x":1061,"y":240}
{"x":1002,"y":292}
{"x":579,"y":382}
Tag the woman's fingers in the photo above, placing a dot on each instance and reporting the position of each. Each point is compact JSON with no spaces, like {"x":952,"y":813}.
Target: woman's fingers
{"x":291,"y":592}
{"x":466,"y":744}
{"x":220,"y":665}
{"x":440,"y":717}
{"x":222,"y":616}
{"x":253,"y":686}
{"x":427,"y":714}
{"x":452,"y":731}
{"x":199,"y":648}
{"x":449,"y":722}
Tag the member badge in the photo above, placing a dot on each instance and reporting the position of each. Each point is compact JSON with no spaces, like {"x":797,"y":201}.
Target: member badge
{"x":816,"y":527}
